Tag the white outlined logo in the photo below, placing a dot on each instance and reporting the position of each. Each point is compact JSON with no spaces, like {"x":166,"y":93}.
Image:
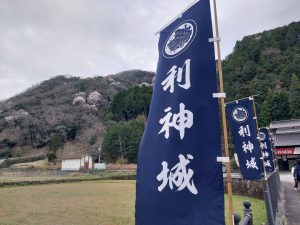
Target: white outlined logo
{"x":180,"y":39}
{"x":262,"y":136}
{"x":240,"y":114}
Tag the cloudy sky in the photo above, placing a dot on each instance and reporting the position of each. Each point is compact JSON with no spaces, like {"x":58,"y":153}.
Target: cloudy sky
{"x":43,"y":38}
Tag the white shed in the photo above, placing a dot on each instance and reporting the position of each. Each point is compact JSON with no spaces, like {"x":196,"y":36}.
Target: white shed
{"x":75,"y":163}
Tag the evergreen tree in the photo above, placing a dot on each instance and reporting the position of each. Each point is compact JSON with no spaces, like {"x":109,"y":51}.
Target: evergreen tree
{"x":274,"y":107}
{"x":128,"y":104}
{"x":280,"y":106}
{"x":122,"y":141}
{"x":294,"y":97}
{"x":265,"y":114}
{"x":56,"y":142}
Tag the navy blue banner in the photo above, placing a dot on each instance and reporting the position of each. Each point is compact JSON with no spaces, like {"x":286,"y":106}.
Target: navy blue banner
{"x":243,"y":126}
{"x":266,"y":149}
{"x":179,"y":181}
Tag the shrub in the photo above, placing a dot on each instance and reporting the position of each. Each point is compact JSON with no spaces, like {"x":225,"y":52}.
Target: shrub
{"x":7,"y":143}
{"x":6,"y":153}
{"x":51,"y":156}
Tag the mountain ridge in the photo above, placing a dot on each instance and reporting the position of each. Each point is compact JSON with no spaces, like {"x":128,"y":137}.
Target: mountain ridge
{"x":69,"y":106}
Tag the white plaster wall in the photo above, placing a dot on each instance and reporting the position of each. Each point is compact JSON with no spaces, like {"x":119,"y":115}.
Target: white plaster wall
{"x":70,"y":164}
{"x":100,"y":166}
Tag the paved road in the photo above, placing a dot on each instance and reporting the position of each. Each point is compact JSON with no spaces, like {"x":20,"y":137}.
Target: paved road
{"x":291,"y":199}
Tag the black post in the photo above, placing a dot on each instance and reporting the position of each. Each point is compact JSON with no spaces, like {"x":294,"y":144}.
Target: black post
{"x":236,"y":219}
{"x":248,"y":212}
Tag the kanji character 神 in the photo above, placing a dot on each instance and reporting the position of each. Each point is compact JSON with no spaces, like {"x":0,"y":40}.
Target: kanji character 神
{"x":247,"y":147}
{"x":266,"y":154}
{"x":180,"y":121}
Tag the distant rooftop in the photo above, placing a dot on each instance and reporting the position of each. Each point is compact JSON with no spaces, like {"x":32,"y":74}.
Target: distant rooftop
{"x":73,"y":156}
{"x":287,"y":140}
{"x":285,"y":124}
{"x":286,"y":132}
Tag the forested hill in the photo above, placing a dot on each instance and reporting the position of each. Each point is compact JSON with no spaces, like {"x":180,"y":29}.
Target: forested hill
{"x":71,"y":114}
{"x":61,"y":112}
{"x":267,"y":64}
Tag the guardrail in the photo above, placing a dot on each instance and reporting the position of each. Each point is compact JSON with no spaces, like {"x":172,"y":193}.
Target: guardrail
{"x":271,"y":188}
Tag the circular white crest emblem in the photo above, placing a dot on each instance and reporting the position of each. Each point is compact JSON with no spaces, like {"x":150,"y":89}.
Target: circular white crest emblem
{"x":240,"y":114}
{"x":180,"y":39}
{"x":262,"y":136}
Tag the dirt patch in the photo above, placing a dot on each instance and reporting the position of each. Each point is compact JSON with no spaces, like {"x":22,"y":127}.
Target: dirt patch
{"x":11,"y":161}
{"x":121,"y":166}
{"x":40,"y":164}
{"x":23,"y":178}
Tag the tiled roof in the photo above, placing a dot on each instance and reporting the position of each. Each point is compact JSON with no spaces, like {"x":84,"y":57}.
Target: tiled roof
{"x":288,"y":130}
{"x":292,"y":139}
{"x":285,"y":124}
{"x":73,"y":156}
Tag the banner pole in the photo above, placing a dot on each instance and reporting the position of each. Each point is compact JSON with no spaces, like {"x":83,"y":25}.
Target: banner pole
{"x":178,"y":15}
{"x":220,"y":72}
{"x":268,"y":200}
{"x":273,"y":150}
{"x":260,"y":147}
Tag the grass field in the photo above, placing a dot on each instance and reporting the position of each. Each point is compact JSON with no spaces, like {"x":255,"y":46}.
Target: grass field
{"x":83,"y":203}
{"x":22,"y":176}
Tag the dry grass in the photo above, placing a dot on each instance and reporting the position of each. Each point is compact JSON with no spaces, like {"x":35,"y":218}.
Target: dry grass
{"x":40,"y":164}
{"x":8,"y":178}
{"x":84,"y":203}
{"x":104,"y":203}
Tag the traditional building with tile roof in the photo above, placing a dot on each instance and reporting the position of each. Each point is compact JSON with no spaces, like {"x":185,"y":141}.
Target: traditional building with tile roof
{"x":286,"y":136}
